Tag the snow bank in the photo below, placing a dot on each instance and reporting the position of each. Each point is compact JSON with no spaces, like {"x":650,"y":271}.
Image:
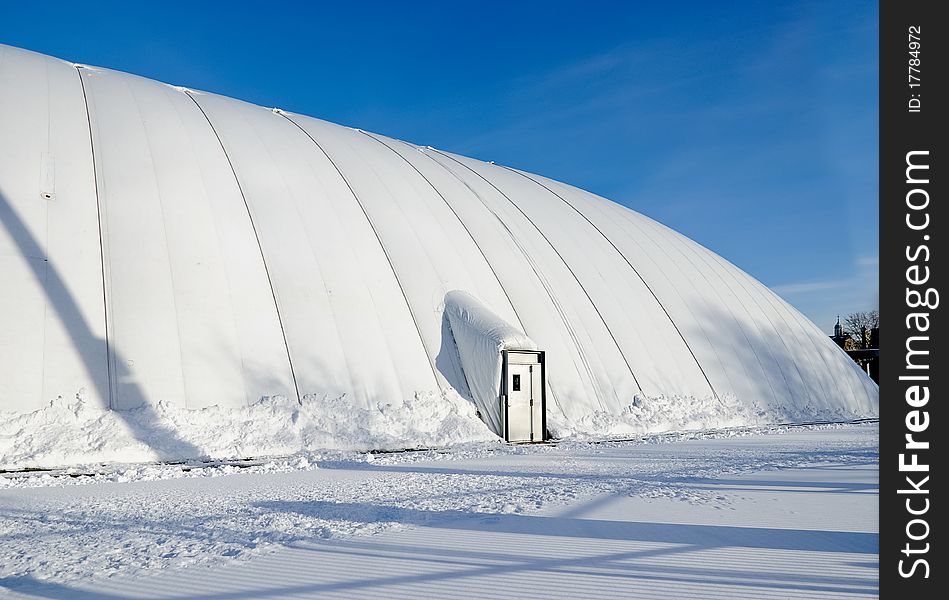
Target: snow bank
{"x":480,"y":336}
{"x":657,"y":414}
{"x":75,"y":433}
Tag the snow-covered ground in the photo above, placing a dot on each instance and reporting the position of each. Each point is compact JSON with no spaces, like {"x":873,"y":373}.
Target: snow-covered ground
{"x":770,"y":512}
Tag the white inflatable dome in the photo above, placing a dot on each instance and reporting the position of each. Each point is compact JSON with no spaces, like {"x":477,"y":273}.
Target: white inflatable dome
{"x":164,"y":244}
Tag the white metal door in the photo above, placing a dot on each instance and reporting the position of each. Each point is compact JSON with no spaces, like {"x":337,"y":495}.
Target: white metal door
{"x":537,"y":405}
{"x":521,"y":383}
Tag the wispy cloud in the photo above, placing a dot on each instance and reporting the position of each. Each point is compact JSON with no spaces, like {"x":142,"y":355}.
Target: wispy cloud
{"x":863,"y":273}
{"x":822,"y":300}
{"x":809,"y":287}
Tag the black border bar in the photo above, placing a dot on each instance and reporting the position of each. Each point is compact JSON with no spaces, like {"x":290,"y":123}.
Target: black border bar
{"x":913,"y":167}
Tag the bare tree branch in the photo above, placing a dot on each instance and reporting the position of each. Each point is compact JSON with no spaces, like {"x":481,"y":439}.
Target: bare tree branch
{"x":859,"y":324}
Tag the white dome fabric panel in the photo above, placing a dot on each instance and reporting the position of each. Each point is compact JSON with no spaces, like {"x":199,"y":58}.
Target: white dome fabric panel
{"x":191,"y":318}
{"x":162,"y":244}
{"x":49,"y":238}
{"x":346,"y":322}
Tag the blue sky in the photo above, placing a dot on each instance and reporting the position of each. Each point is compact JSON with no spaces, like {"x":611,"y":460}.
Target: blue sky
{"x":751,"y":127}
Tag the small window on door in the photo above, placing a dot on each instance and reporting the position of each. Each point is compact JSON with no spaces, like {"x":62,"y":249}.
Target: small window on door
{"x":516,"y":383}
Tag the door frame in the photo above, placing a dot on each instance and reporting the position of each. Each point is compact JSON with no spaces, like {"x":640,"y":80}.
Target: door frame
{"x":504,"y":405}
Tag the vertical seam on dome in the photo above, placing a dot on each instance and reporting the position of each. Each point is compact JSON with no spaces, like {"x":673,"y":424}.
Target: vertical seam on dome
{"x":635,"y":270}
{"x":571,"y":333}
{"x":557,"y":252}
{"x":705,"y":255}
{"x":530,"y":264}
{"x":46,"y":250}
{"x":465,"y":227}
{"x":816,"y":338}
{"x":260,"y":248}
{"x":682,"y":249}
{"x":163,"y":222}
{"x":733,"y":288}
{"x":462,"y":223}
{"x":648,"y":236}
{"x":743,"y":283}
{"x":220,"y":244}
{"x":780,"y":313}
{"x":382,"y":246}
{"x":820,"y":342}
{"x":109,"y":358}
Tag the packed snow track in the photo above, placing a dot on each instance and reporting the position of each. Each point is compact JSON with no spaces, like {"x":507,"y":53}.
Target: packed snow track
{"x":782,"y":512}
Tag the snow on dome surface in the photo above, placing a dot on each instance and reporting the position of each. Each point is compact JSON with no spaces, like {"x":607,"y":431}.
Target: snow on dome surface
{"x":160,"y":244}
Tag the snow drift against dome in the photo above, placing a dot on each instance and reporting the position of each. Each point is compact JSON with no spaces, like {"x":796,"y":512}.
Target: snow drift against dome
{"x":163,"y":244}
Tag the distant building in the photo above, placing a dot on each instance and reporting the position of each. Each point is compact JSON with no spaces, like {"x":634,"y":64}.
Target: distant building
{"x":842,"y":338}
{"x":865,"y":351}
